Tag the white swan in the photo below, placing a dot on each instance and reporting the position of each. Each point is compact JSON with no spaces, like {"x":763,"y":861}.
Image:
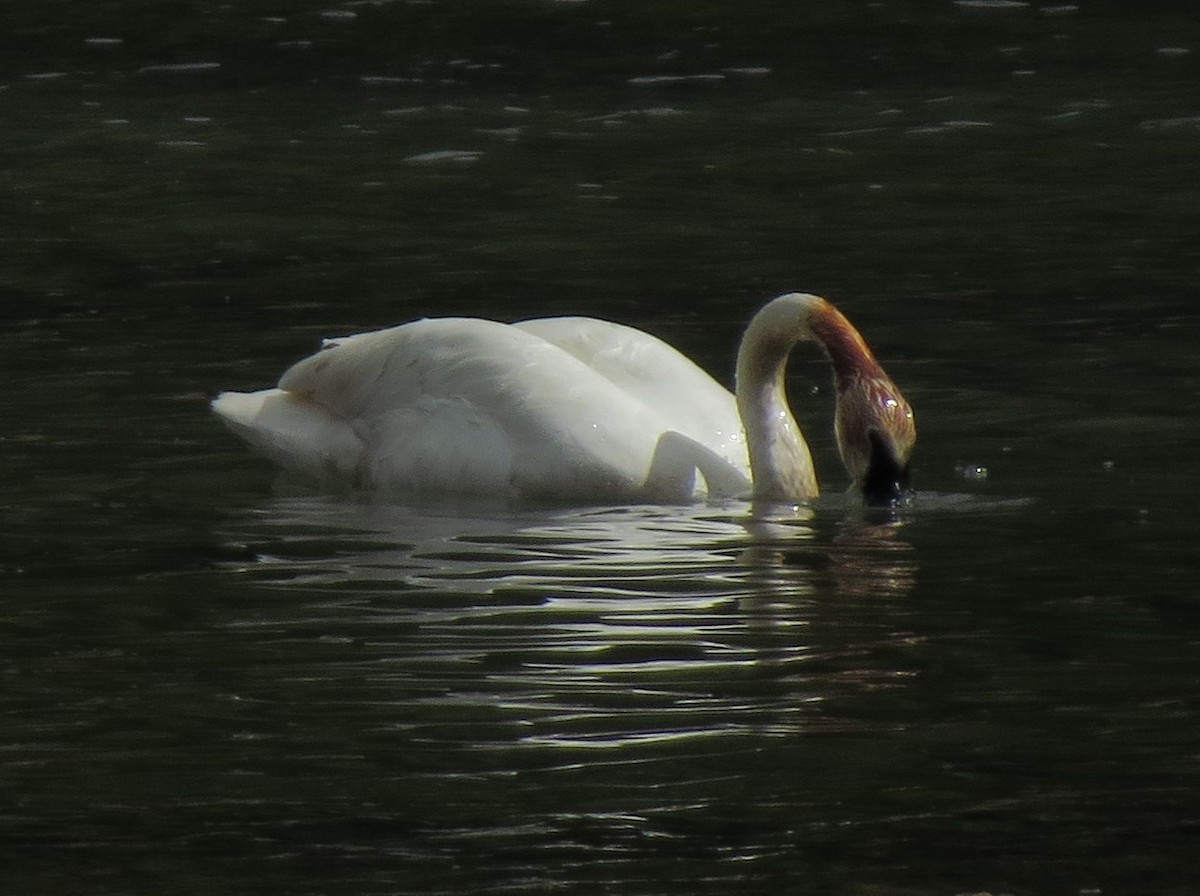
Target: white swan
{"x":574,"y":409}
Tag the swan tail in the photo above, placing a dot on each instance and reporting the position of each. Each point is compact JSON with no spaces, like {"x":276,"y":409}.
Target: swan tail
{"x":294,"y":432}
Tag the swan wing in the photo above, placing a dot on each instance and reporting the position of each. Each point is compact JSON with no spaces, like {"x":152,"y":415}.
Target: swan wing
{"x":689,"y":400}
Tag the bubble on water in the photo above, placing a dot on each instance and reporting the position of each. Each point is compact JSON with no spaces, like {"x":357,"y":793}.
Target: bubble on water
{"x":971,"y":471}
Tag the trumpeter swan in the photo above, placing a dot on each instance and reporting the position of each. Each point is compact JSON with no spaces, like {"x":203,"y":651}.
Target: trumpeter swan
{"x":574,"y":409}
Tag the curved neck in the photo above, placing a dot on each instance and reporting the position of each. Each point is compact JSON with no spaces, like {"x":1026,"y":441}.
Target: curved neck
{"x":847,"y":351}
{"x":780,"y":462}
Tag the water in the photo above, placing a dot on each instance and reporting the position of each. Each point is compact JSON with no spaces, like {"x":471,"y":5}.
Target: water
{"x":213,"y":684}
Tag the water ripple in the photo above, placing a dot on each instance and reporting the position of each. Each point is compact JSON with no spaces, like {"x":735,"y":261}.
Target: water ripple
{"x":566,"y":637}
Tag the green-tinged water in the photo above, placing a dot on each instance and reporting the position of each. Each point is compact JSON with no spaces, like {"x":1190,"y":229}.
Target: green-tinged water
{"x":212,"y":685}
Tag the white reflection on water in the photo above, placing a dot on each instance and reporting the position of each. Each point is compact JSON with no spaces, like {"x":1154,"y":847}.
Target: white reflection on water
{"x":704,"y":553}
{"x":628,"y":627}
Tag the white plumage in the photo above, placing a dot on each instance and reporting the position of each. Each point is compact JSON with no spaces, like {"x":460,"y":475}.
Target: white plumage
{"x":565,"y":409}
{"x":562,"y":408}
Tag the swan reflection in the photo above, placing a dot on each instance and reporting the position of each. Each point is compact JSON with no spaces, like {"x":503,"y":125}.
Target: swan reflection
{"x":872,"y":559}
{"x":609,"y":627}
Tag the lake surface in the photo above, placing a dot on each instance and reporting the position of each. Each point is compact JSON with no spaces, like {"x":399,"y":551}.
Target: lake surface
{"x":210,"y":683}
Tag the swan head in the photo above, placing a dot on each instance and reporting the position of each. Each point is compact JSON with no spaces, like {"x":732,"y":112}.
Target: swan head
{"x":875,"y":433}
{"x":873,"y":422}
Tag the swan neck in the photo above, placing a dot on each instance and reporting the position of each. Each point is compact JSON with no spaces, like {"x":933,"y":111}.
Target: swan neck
{"x":847,"y":351}
{"x":780,"y":462}
{"x":794,"y":318}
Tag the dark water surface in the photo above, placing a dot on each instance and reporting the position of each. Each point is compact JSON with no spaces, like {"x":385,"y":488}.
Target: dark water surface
{"x":209,"y":685}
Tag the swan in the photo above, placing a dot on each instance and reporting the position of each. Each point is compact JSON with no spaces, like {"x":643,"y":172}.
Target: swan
{"x":574,"y":409}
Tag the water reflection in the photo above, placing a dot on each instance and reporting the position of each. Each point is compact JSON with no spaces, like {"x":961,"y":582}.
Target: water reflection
{"x":702,"y":552}
{"x":600,"y":683}
{"x":872,"y":559}
{"x":630,"y":628}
